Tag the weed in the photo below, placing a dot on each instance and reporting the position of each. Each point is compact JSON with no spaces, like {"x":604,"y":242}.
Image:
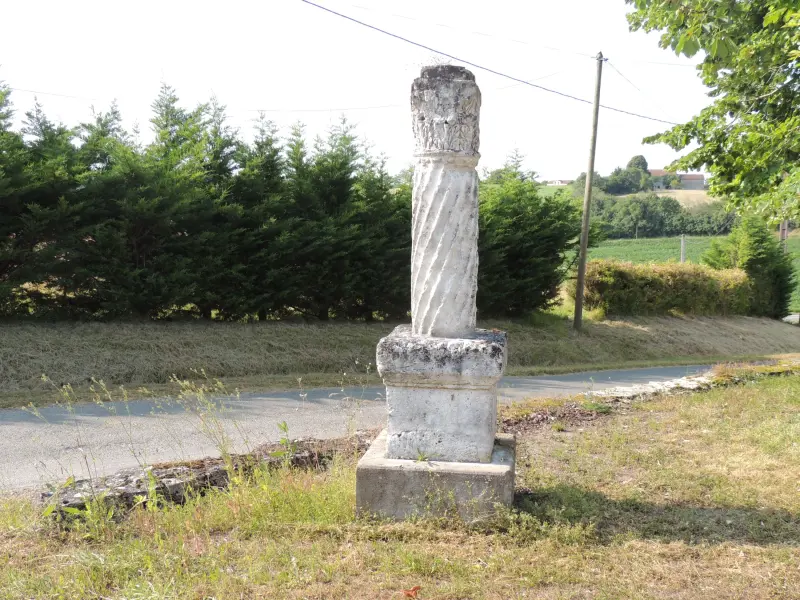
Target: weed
{"x":288,"y":448}
{"x":601,"y":408}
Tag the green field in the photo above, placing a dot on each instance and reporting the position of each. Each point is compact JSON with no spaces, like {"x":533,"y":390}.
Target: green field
{"x":551,"y":190}
{"x":645,"y":250}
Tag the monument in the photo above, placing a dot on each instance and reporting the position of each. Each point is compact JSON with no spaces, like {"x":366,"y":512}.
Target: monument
{"x":440,"y":451}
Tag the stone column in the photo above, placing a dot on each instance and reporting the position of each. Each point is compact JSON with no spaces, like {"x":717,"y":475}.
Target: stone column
{"x":441,"y":372}
{"x":445,"y":104}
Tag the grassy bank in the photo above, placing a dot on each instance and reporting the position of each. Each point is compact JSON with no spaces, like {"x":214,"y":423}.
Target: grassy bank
{"x":688,"y":496}
{"x":645,"y":250}
{"x":274,"y":355}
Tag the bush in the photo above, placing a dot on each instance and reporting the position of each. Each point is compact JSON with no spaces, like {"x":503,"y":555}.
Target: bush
{"x":200,"y":224}
{"x":524,"y":244}
{"x":753,"y":247}
{"x":623,"y":288}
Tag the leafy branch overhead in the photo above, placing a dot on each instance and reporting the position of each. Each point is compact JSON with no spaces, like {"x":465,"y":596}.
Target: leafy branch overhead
{"x":749,"y":137}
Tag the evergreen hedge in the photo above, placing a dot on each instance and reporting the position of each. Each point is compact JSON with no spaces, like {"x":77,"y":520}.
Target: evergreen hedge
{"x":199,"y":223}
{"x":624,"y":288}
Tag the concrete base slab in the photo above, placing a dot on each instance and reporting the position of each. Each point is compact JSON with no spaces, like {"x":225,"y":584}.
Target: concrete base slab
{"x":400,"y":489}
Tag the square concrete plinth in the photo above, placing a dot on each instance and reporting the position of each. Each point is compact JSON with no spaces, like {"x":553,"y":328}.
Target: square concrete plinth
{"x":399,"y":489}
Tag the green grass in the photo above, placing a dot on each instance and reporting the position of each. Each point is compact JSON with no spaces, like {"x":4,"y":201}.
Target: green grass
{"x":686,"y":496}
{"x":645,"y":250}
{"x":546,"y":191}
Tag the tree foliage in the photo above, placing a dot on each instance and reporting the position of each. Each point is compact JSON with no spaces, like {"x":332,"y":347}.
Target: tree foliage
{"x":749,"y":137}
{"x":638,"y":162}
{"x":650,"y":215}
{"x":524,"y":243}
{"x":633,"y":178}
{"x":753,"y":247}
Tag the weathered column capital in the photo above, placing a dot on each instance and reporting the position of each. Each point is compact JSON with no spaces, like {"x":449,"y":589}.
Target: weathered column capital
{"x":445,"y":110}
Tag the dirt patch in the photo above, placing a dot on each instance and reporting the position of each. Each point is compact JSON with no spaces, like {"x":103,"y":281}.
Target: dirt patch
{"x":570,"y":413}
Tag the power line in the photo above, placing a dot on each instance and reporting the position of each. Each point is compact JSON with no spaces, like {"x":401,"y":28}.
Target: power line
{"x":51,"y":94}
{"x":477,"y":66}
{"x":658,"y":62}
{"x":321,"y":110}
{"x":554,"y":73}
{"x":516,"y":41}
{"x":313,"y":110}
{"x":638,"y":89}
{"x":292,"y":110}
{"x":610,"y":64}
{"x":479,"y":33}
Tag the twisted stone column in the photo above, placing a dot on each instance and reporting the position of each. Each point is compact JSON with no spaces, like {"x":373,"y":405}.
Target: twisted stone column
{"x":445,"y":106}
{"x":440,"y":449}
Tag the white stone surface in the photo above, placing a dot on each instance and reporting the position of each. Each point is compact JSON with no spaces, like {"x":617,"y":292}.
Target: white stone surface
{"x":476,"y":362}
{"x":441,"y":374}
{"x":445,"y":105}
{"x":456,"y":425}
{"x":400,"y":489}
{"x":692,"y":383}
{"x":441,"y":394}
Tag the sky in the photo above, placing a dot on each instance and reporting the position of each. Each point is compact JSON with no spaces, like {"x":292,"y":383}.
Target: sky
{"x":297,"y":62}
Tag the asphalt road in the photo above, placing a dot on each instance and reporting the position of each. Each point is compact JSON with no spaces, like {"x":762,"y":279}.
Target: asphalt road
{"x":100,"y":439}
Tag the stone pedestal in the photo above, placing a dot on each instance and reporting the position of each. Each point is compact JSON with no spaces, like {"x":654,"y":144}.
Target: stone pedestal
{"x":441,"y":394}
{"x":440,"y":372}
{"x":392,"y":488}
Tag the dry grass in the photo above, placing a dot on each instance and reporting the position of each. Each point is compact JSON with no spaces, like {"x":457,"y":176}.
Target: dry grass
{"x":689,"y":199}
{"x":274,"y":355}
{"x":683,"y":497}
{"x":640,"y":341}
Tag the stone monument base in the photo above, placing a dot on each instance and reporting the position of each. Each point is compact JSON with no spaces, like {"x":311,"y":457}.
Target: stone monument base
{"x":393,"y":488}
{"x":441,"y":394}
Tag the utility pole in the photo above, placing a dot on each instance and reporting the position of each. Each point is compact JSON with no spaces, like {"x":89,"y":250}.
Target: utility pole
{"x":587,"y":202}
{"x":683,"y":248}
{"x":784,"y":234}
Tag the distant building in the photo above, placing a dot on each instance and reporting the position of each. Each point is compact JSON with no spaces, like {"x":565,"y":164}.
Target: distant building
{"x":693,"y":181}
{"x":658,"y":178}
{"x":689,"y":181}
{"x":558,"y":182}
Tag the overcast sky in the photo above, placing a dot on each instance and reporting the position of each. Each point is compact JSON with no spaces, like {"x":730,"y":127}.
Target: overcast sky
{"x":298,"y":62}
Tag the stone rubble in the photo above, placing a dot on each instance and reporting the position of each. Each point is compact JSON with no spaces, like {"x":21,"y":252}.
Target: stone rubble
{"x":690,"y":383}
{"x":177,"y":481}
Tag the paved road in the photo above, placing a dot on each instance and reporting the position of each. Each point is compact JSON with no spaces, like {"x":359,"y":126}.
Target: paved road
{"x":101,"y":439}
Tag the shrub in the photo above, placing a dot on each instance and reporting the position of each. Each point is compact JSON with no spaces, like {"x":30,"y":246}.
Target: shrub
{"x":623,"y":288}
{"x":753,"y":247}
{"x":200,"y":224}
{"x":525,"y":243}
